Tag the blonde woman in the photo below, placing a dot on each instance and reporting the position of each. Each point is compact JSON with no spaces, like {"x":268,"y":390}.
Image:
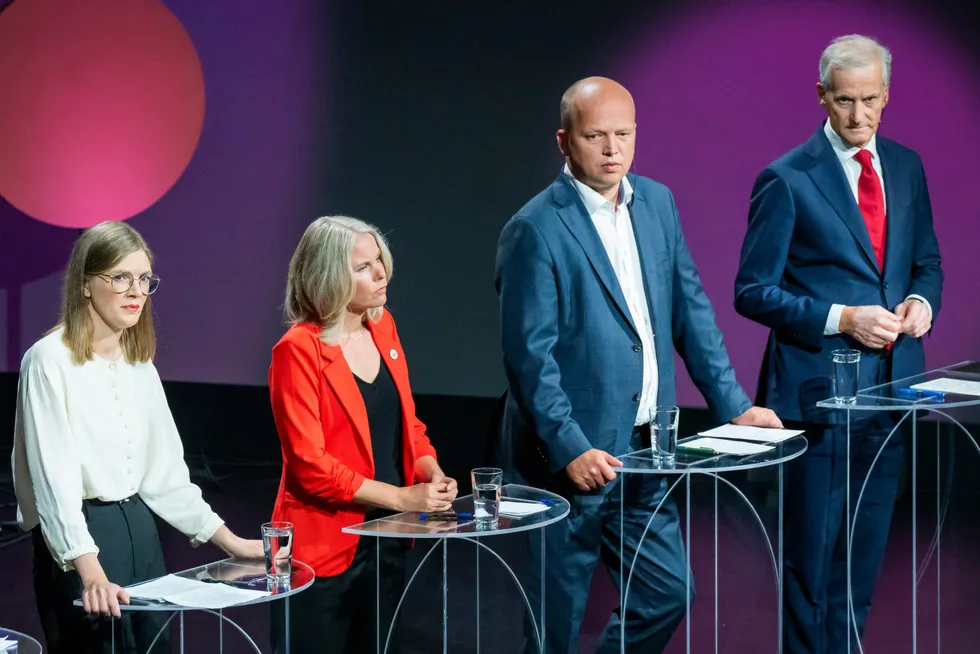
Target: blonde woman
{"x":352,"y":445}
{"x":96,"y":453}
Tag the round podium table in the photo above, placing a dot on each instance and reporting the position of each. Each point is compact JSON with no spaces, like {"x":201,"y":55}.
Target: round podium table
{"x":236,"y":573}
{"x":25,"y":644}
{"x":683,"y":468}
{"x":957,"y":405}
{"x":549,"y":507}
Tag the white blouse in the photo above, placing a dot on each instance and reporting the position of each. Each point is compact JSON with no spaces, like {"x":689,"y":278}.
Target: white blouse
{"x":103,"y":431}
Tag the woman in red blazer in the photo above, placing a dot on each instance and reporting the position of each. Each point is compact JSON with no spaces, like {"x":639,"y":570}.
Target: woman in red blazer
{"x":352,"y":446}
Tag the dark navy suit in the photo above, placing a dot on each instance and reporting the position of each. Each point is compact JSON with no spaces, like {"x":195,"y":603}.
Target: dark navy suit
{"x":807,"y":247}
{"x":575,"y":369}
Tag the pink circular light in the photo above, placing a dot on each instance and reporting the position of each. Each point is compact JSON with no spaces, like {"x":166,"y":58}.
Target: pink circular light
{"x":103,"y":105}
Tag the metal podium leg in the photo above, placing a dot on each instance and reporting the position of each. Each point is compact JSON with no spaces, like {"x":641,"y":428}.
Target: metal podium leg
{"x":915,"y":566}
{"x":544,"y":533}
{"x":478,"y":600}
{"x":221,"y":631}
{"x":622,"y":586}
{"x":847,"y":521}
{"x":377,"y":595}
{"x":687,"y":545}
{"x":288,"y":627}
{"x":779,"y":569}
{"x":716,"y":564}
{"x":182,"y":632}
{"x":939,"y":528}
{"x":445,"y":600}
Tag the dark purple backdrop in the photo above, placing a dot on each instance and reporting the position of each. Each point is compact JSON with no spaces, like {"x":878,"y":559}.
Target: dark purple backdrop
{"x":439,"y":125}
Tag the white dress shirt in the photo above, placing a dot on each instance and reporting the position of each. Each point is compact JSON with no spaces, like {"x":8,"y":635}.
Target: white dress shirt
{"x":616,"y":232}
{"x":852,"y":171}
{"x":101,"y":430}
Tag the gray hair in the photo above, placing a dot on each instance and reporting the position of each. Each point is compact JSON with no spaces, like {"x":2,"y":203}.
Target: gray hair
{"x":321,"y":280}
{"x":853,"y":51}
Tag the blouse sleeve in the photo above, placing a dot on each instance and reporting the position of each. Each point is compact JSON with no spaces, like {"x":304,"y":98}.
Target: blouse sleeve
{"x":166,"y":487}
{"x":52,"y":462}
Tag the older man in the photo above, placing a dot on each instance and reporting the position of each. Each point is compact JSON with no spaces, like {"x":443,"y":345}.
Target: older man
{"x":597,"y":287}
{"x":840,"y":253}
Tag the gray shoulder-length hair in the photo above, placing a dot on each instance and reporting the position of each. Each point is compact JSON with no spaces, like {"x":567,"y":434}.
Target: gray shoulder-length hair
{"x":850,"y":52}
{"x":321,"y":279}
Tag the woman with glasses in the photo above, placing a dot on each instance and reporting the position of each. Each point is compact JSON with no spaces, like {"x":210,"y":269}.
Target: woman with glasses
{"x":97,"y":454}
{"x":352,"y":446}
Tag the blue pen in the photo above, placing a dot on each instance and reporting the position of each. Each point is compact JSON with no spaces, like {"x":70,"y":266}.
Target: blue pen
{"x":921,"y":392}
{"x":445,"y":516}
{"x":547,"y":502}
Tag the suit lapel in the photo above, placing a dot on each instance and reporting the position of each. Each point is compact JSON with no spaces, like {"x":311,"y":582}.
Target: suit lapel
{"x":650,"y":242}
{"x":341,"y":380}
{"x":828,"y":175}
{"x":572,"y":212}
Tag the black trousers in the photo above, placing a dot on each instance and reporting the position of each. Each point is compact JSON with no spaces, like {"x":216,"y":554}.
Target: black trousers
{"x":130,"y":552}
{"x":338,"y":615}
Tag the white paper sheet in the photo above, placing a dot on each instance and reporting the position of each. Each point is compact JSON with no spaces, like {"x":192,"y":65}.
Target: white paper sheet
{"x":755,"y":434}
{"x":519,"y":509}
{"x":7,"y":644}
{"x":190,"y":592}
{"x":947,"y":385}
{"x":723,"y":446}
{"x":160,"y":588}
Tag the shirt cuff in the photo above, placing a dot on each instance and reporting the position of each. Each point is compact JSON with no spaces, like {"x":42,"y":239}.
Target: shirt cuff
{"x":207,"y":531}
{"x":833,"y":320}
{"x":923,"y":301}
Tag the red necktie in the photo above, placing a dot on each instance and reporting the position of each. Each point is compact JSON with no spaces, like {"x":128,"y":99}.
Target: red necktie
{"x":871,"y":201}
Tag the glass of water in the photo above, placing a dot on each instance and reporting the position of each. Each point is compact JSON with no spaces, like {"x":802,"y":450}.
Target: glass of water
{"x":663,"y":433}
{"x":846,"y":366}
{"x":277,"y":539}
{"x":486,"y":495}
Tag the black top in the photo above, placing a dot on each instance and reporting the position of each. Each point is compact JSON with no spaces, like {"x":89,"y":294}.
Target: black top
{"x":384,"y":410}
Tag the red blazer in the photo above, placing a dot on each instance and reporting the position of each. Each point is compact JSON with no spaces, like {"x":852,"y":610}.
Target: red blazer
{"x":326,"y":445}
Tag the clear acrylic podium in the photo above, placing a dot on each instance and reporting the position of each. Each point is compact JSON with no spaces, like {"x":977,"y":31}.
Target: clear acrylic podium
{"x":408,"y":525}
{"x":686,"y":465}
{"x":949,"y":408}
{"x":25,"y":644}
{"x":247,"y":574}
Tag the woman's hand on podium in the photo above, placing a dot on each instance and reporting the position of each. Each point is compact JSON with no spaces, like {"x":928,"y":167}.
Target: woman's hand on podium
{"x":450,"y":483}
{"x":433,"y":496}
{"x":99,"y":595}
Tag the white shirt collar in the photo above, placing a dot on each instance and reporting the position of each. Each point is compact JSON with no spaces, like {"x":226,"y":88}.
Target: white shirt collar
{"x":592,"y":200}
{"x":845,"y":151}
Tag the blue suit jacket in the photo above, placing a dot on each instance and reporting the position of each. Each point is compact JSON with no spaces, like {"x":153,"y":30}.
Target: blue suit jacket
{"x":807,"y":247}
{"x":571,"y":350}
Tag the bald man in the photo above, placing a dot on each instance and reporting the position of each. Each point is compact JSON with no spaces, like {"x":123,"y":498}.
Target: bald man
{"x":597,"y":288}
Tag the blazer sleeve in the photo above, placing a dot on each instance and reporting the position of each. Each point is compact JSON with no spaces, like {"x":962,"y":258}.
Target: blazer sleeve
{"x":759,"y":295}
{"x":927,"y":272}
{"x":697,"y":337}
{"x":528,"y":291}
{"x":420,"y":441}
{"x":294,"y":389}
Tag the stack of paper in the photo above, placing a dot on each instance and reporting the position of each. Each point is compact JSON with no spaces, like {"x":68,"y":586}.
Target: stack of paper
{"x":191,"y":592}
{"x":755,"y":434}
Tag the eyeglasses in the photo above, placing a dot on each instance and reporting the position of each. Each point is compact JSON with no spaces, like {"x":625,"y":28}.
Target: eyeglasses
{"x":122,"y":282}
